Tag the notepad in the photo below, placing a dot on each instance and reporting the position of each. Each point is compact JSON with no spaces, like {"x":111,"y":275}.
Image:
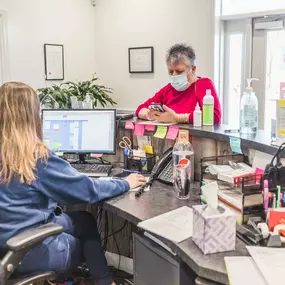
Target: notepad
{"x":176,"y":225}
{"x":242,"y":270}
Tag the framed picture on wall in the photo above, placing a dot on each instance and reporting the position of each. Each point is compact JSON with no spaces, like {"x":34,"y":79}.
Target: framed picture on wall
{"x":54,"y":61}
{"x":141,"y":60}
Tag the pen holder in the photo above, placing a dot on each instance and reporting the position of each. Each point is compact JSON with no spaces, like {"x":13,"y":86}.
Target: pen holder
{"x":214,"y":230}
{"x":139,"y":164}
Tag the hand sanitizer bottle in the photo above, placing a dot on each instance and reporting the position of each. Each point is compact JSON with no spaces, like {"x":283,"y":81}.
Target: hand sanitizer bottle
{"x":208,"y":109}
{"x":87,"y":102}
{"x":249,"y":110}
{"x":197,"y":122}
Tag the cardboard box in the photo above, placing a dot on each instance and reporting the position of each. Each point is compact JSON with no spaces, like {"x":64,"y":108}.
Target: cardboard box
{"x":214,"y":230}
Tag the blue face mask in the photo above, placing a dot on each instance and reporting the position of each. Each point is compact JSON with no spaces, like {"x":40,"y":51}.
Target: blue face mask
{"x":179,"y":82}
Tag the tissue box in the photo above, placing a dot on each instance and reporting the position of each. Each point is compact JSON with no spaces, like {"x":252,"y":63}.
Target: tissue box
{"x":214,"y":232}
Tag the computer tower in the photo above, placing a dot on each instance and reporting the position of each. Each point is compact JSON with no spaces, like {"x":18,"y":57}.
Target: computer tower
{"x":154,"y":265}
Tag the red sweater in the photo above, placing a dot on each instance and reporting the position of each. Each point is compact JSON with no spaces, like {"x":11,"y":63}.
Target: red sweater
{"x":186,"y":101}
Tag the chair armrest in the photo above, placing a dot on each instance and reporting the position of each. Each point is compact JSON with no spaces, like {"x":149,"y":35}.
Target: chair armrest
{"x":33,"y":236}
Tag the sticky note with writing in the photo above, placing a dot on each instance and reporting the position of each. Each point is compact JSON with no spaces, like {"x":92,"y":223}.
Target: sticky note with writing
{"x":139,"y":130}
{"x":235,"y":145}
{"x":160,"y":132}
{"x":129,"y":126}
{"x":172,"y":132}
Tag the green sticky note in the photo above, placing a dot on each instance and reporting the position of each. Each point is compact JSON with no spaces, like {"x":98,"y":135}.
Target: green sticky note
{"x":55,"y":145}
{"x":160,"y":132}
{"x":235,"y":145}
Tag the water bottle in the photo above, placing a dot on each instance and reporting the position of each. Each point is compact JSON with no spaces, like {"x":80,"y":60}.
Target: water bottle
{"x":183,"y":161}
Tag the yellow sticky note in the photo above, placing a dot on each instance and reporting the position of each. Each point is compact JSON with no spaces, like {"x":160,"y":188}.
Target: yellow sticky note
{"x":160,"y":132}
{"x":148,"y":149}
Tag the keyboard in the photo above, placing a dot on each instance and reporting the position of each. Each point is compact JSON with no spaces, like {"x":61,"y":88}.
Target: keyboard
{"x":93,"y":170}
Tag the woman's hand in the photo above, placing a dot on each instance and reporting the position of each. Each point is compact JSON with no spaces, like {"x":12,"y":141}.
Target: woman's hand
{"x":169,"y":116}
{"x":146,"y":114}
{"x":135,"y":180}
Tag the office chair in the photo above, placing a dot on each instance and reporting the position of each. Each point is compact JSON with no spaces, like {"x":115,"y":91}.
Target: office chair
{"x":18,"y":246}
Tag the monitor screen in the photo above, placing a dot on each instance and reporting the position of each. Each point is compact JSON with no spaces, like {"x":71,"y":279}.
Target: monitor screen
{"x":80,"y":131}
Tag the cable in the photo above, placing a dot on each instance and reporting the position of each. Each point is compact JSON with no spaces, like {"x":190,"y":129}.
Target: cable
{"x":115,"y":231}
{"x":118,"y":248}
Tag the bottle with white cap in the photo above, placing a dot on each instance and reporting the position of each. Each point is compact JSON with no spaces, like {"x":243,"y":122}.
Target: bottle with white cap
{"x":249,"y":110}
{"x":197,"y":122}
{"x":208,"y":109}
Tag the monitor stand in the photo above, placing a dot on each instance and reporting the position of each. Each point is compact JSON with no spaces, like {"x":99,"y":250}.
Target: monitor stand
{"x":82,"y":159}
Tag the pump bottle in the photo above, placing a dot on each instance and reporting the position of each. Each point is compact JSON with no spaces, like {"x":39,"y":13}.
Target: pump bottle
{"x":249,"y":110}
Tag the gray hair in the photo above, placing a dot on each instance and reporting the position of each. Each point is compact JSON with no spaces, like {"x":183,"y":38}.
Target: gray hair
{"x":181,"y":53}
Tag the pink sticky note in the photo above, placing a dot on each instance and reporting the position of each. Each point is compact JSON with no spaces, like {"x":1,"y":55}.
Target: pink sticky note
{"x":172,"y":132}
{"x":139,"y":130}
{"x":150,"y":128}
{"x":129,"y":126}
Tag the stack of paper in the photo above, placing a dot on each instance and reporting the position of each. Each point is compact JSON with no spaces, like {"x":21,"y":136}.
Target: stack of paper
{"x":264,"y":267}
{"x":176,"y":225}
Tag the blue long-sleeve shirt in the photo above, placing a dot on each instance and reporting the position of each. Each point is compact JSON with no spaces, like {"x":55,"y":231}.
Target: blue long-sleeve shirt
{"x":24,"y":206}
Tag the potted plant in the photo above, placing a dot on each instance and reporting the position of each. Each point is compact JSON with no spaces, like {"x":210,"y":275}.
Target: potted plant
{"x":100,"y":95}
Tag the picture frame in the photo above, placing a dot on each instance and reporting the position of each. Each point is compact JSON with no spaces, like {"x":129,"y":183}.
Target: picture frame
{"x":54,"y":61}
{"x":141,"y":59}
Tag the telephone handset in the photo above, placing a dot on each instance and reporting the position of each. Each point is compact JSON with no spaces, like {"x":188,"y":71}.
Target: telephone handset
{"x":163,"y":170}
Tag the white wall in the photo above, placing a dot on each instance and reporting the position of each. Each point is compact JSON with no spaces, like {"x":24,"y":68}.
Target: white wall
{"x":121,"y":24}
{"x":32,"y":23}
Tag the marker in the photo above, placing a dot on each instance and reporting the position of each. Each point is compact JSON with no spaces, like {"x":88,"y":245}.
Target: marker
{"x":278,"y":196}
{"x":265,"y":195}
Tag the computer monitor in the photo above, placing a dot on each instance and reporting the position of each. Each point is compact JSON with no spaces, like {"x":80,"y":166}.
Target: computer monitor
{"x":80,"y":131}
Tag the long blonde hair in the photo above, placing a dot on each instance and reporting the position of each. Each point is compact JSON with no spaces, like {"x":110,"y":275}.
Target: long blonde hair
{"x":20,"y":133}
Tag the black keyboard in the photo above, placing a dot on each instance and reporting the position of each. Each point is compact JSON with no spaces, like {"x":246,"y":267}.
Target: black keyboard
{"x":93,"y":170}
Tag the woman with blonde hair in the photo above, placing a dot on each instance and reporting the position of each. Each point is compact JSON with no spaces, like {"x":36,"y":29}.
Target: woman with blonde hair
{"x":34,"y":180}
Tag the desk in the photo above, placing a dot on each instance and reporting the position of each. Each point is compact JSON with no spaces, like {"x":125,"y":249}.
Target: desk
{"x":159,"y":200}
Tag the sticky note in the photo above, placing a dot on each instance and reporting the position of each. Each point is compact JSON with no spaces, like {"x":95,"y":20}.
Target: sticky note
{"x":148,"y":149}
{"x":139,"y":130}
{"x":59,"y":153}
{"x":129,"y":126}
{"x":150,"y":128}
{"x":172,"y":132}
{"x":160,"y":132}
{"x":235,"y":145}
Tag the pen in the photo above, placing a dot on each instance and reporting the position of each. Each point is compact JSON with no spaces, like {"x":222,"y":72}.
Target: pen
{"x":274,"y":201}
{"x":265,"y":195}
{"x":278,"y":196}
{"x":231,"y":131}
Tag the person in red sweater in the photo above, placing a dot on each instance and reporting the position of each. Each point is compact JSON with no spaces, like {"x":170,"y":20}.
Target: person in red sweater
{"x":180,"y":97}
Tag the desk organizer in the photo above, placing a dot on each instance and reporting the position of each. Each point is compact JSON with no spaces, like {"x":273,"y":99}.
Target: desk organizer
{"x":139,"y":164}
{"x":214,"y":233}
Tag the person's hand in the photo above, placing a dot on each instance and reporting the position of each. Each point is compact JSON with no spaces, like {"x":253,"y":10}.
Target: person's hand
{"x":146,"y":114}
{"x":169,"y":116}
{"x":135,"y":180}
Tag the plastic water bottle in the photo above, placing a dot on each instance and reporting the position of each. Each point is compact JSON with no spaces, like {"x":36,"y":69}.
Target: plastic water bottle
{"x":183,"y":160}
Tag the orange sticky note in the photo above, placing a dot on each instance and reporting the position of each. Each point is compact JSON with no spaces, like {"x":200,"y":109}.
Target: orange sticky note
{"x":172,"y":132}
{"x":139,"y":130}
{"x":150,"y":128}
{"x":129,"y":126}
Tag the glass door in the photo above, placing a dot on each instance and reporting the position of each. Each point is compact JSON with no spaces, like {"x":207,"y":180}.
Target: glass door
{"x":268,"y":64}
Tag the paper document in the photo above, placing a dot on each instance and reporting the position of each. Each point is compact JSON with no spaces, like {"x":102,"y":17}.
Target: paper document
{"x":131,"y":190}
{"x":270,"y":261}
{"x":242,"y":270}
{"x":176,"y":225}
{"x":156,"y":123}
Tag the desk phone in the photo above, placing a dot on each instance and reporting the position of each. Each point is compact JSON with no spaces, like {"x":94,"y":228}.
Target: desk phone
{"x":163,"y":170}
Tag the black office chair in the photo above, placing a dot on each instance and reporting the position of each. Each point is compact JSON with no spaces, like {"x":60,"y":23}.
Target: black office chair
{"x":18,"y":246}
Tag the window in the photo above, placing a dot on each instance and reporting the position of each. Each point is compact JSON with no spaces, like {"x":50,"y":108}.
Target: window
{"x":234,"y":7}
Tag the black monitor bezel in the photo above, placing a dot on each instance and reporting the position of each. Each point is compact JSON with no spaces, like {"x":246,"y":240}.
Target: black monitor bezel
{"x":84,"y":110}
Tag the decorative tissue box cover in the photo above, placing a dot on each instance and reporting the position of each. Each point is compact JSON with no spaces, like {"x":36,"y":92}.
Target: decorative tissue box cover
{"x":214,"y":233}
